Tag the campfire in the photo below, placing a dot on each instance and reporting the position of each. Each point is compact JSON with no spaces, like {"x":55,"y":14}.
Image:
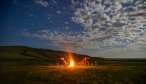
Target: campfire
{"x":69,"y":60}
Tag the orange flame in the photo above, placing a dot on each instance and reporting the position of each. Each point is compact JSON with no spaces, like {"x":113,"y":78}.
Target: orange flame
{"x":72,"y":63}
{"x":71,"y":60}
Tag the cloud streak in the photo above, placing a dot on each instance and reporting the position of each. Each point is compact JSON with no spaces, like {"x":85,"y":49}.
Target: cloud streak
{"x":42,"y":3}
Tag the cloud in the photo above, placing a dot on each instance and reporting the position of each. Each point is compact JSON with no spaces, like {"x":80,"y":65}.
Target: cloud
{"x":106,"y":23}
{"x":54,"y":1}
{"x":111,"y":21}
{"x":59,"y":12}
{"x":43,"y":3}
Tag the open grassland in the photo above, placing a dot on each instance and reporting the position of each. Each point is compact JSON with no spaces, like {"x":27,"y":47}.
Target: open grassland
{"x":26,"y":65}
{"x":116,"y":73}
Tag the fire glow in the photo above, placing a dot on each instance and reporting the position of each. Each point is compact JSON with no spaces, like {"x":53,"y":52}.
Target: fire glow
{"x":69,"y":60}
{"x":72,"y":63}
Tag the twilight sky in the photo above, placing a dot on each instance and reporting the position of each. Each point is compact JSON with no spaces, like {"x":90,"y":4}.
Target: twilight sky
{"x":101,"y":28}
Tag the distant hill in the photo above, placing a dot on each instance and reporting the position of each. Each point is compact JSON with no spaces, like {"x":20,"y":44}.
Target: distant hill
{"x":29,"y":55}
{"x":23,"y":55}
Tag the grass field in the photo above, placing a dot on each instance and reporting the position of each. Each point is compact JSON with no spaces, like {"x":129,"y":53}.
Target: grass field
{"x":116,"y":73}
{"x":26,"y":65}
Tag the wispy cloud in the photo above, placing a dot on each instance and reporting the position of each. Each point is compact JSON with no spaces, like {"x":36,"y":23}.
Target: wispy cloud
{"x":43,"y":3}
{"x":59,"y":12}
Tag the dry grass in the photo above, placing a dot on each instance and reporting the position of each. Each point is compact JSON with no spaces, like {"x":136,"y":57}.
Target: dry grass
{"x":101,"y":74}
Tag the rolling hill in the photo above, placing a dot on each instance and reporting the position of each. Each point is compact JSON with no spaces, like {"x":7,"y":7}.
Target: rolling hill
{"x":19,"y":55}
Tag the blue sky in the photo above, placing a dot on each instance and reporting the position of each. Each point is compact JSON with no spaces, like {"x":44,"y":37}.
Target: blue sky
{"x":92,"y":27}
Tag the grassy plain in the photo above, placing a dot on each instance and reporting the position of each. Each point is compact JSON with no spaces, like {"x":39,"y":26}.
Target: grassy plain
{"x":26,"y":65}
{"x":117,"y":72}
